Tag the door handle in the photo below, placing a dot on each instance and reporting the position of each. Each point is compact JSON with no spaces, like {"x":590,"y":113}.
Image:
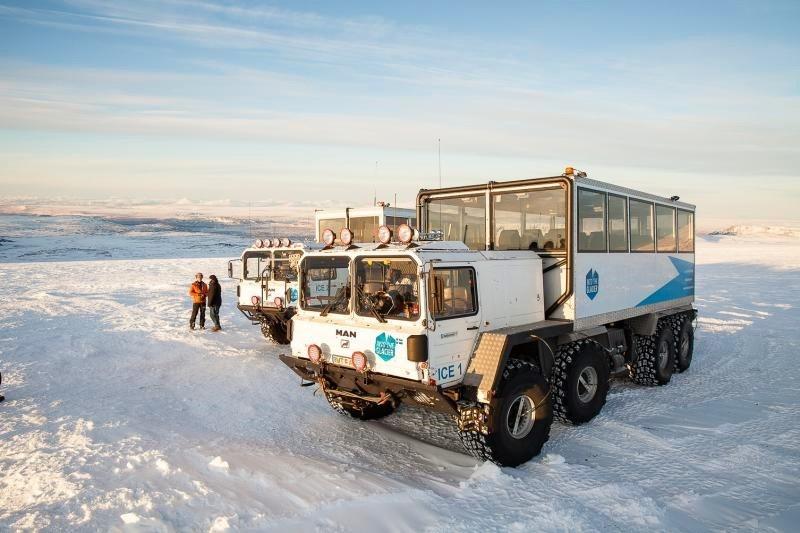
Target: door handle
{"x":472,"y":328}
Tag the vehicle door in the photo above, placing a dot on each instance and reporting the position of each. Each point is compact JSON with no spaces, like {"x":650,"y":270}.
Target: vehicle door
{"x":453,"y":306}
{"x":253,"y":283}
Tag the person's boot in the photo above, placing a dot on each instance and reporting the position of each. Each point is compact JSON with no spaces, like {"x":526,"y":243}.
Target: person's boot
{"x":202,"y":326}
{"x":191,"y":326}
{"x":216,"y":328}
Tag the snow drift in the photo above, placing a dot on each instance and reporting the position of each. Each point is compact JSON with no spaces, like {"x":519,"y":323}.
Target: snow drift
{"x":118,"y":417}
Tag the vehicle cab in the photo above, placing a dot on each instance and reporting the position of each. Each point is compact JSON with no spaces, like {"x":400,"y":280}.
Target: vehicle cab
{"x":267,"y":291}
{"x":411,"y":310}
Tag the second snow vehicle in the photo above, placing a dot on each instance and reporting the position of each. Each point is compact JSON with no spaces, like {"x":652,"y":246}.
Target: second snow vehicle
{"x":515,"y":305}
{"x":267,"y":289}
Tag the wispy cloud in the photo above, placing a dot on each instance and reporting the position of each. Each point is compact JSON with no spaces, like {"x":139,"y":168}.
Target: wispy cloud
{"x":299,"y":84}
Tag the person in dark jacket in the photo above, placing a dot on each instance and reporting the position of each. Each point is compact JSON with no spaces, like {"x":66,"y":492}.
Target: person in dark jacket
{"x":214,"y":300}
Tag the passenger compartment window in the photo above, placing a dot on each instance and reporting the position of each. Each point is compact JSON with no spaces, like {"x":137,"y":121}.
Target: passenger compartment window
{"x":453,"y":293}
{"x":665,"y":228}
{"x":617,"y":223}
{"x":530,"y":220}
{"x":365,"y":229}
{"x":460,"y":219}
{"x":685,"y":231}
{"x":641,"y":226}
{"x":335,"y":224}
{"x":591,"y":221}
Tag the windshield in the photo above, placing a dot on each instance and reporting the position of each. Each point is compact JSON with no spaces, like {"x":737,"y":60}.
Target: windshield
{"x":285,"y":265}
{"x":326,"y":284}
{"x":387,"y":287}
{"x":255,"y":263}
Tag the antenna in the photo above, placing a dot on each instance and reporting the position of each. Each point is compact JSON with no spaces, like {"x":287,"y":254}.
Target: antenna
{"x":440,"y":163}
{"x":375,"y":188}
{"x":440,"y":180}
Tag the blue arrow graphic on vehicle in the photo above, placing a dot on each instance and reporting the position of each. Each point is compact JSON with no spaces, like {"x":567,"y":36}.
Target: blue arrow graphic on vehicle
{"x":680,"y":286}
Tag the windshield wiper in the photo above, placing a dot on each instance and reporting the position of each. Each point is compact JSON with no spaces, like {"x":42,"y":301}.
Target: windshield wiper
{"x":370,"y":307}
{"x":339,"y":298}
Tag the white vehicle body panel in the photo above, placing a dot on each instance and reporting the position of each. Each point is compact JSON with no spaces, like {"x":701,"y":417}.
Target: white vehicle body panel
{"x":450,"y":341}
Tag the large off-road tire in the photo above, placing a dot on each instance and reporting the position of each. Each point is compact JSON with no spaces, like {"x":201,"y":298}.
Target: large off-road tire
{"x":655,"y":356}
{"x":521,"y":421}
{"x":275,"y":331}
{"x":580,"y":381}
{"x":683,"y":331}
{"x":367,"y":411}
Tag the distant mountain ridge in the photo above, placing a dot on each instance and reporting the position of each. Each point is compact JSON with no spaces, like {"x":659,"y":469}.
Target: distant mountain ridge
{"x":743,"y":230}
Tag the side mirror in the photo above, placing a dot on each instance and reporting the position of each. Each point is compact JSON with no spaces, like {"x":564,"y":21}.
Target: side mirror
{"x":230,"y":269}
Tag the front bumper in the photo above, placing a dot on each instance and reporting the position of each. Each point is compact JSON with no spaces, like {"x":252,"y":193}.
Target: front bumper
{"x":260,"y":313}
{"x":345,"y":381}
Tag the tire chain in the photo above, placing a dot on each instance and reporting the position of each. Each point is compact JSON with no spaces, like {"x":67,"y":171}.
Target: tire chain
{"x":336,"y":404}
{"x":268,"y":330}
{"x":475,"y":441}
{"x":565,"y":355}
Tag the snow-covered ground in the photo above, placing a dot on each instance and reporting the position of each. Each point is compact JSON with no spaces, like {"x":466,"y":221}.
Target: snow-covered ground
{"x":118,"y":417}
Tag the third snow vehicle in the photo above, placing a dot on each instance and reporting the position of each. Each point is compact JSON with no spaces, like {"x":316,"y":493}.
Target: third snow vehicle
{"x":517,"y":303}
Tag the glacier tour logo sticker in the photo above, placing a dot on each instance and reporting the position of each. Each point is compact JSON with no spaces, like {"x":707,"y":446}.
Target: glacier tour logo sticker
{"x":293,"y":294}
{"x":385,"y":346}
{"x":592,"y":283}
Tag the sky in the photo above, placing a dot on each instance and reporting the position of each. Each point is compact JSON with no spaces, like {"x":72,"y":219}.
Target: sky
{"x":336,"y":102}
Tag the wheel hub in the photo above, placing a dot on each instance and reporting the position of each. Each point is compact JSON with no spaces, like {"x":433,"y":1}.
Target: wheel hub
{"x":663,"y":354}
{"x":684,"y":346}
{"x":521,"y":417}
{"x":587,"y":384}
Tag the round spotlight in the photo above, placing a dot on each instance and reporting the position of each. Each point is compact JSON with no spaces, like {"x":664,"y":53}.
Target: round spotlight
{"x":259,"y":243}
{"x":314,"y":353}
{"x":286,"y":242}
{"x":255,"y":300}
{"x":328,"y":237}
{"x":359,"y":361}
{"x":276,"y":242}
{"x":405,"y":233}
{"x":346,"y":236}
{"x":267,"y":243}
{"x":278,"y":301}
{"x":385,"y":234}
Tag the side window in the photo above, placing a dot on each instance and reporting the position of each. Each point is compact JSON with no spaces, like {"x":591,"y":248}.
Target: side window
{"x":641,"y":226}
{"x":453,"y":292}
{"x":617,"y":224}
{"x":335,"y":224}
{"x":665,"y":228}
{"x":685,"y":231}
{"x":255,"y":263}
{"x":591,"y":221}
{"x":530,"y":220}
{"x":461,"y":219}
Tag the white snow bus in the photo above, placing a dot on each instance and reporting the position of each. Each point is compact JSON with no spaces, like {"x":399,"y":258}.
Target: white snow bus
{"x":267,"y":289}
{"x":515,"y":303}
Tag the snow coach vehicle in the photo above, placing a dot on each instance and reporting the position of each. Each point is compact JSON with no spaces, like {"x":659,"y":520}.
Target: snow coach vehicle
{"x":515,"y":304}
{"x":267,"y":289}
